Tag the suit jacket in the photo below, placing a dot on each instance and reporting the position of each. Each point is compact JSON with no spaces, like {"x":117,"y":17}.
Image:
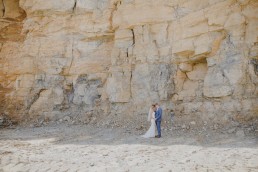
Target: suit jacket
{"x":158,"y":114}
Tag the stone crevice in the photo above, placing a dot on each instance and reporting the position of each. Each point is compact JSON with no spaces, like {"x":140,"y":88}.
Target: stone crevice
{"x":72,"y":60}
{"x":34,"y":98}
{"x":3,"y":8}
{"x":75,"y":5}
{"x":133,"y":37}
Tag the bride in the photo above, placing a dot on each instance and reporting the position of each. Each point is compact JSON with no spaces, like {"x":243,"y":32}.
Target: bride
{"x":151,"y":117}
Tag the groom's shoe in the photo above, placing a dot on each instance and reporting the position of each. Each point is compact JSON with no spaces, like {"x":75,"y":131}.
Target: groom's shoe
{"x":157,"y":136}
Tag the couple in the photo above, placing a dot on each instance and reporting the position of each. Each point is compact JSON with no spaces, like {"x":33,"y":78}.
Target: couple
{"x":155,"y":116}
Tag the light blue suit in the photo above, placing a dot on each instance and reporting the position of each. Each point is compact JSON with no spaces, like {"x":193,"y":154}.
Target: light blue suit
{"x":158,"y":116}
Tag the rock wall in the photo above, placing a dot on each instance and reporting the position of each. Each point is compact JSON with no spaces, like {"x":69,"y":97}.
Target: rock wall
{"x":112,"y":58}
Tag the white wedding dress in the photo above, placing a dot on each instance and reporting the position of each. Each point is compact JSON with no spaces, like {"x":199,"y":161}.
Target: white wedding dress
{"x":151,"y":132}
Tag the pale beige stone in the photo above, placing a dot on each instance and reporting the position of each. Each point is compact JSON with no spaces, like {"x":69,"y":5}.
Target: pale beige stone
{"x":244,"y":2}
{"x":251,"y":10}
{"x":217,"y":13}
{"x":159,"y":32}
{"x":185,"y":67}
{"x":183,"y":47}
{"x":192,"y":107}
{"x":251,"y":31}
{"x":199,"y":72}
{"x":165,"y":51}
{"x":93,"y":59}
{"x":193,"y":19}
{"x":25,"y":81}
{"x":189,"y":89}
{"x":216,"y":84}
{"x":11,"y":9}
{"x":142,"y":14}
{"x":104,"y":57}
{"x":165,"y":54}
{"x":152,"y":53}
{"x":234,"y":73}
{"x":211,"y":61}
{"x":124,"y":38}
{"x":234,"y":19}
{"x":86,"y":5}
{"x":195,"y":30}
{"x":233,"y":105}
{"x":46,"y":102}
{"x":118,"y":85}
{"x":35,"y":5}
{"x":179,"y":80}
{"x":195,"y":5}
{"x":202,"y":44}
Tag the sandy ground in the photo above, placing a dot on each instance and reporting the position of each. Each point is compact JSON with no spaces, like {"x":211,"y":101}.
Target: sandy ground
{"x":87,"y":148}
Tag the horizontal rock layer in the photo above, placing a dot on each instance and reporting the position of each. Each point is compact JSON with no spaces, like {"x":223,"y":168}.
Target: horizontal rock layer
{"x":116,"y":57}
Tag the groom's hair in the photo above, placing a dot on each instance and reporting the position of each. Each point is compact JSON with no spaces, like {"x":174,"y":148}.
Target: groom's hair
{"x":156,"y":104}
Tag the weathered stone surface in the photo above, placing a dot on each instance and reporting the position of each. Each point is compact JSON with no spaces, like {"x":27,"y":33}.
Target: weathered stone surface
{"x":116,"y":57}
{"x":35,"y":5}
{"x":199,"y":72}
{"x":151,"y":82}
{"x":11,"y":9}
{"x":142,"y":14}
{"x":118,"y":85}
{"x":216,"y":84}
{"x":189,"y":89}
{"x":185,"y":67}
{"x":46,"y":102}
{"x":124,"y":38}
{"x":86,"y":90}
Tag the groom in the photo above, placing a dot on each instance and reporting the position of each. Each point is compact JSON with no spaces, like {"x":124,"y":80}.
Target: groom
{"x":158,"y":117}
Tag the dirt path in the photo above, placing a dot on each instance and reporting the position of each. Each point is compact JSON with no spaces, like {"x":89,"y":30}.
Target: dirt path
{"x":85,"y":148}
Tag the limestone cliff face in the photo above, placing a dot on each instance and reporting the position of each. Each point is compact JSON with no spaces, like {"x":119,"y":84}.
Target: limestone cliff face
{"x":115,"y":57}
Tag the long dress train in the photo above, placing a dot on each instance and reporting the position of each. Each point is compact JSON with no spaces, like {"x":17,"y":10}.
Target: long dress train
{"x":151,"y":131}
